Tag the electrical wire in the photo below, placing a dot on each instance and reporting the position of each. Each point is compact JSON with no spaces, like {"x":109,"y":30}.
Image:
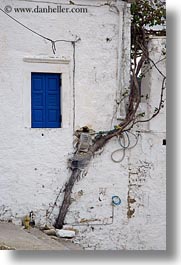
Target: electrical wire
{"x":49,"y":212}
{"x":53,"y":42}
{"x":116,"y":151}
{"x":137,"y":139}
{"x":74,"y":97}
{"x":125,"y":145}
{"x":122,"y":149}
{"x":38,"y":34}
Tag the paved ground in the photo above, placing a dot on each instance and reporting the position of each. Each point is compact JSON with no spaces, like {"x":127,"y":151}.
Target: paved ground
{"x":15,"y":237}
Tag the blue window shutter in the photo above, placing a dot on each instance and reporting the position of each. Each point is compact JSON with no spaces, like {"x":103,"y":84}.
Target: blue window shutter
{"x":52,"y":101}
{"x":38,"y":100}
{"x":46,"y":110}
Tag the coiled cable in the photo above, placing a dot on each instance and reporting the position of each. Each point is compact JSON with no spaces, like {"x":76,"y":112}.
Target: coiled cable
{"x":125,"y":143}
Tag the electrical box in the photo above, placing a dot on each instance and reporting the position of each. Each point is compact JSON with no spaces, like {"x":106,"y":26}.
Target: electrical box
{"x":84,"y":142}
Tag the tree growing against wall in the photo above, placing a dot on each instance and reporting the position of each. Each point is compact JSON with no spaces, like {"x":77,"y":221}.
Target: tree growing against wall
{"x":146,"y":14}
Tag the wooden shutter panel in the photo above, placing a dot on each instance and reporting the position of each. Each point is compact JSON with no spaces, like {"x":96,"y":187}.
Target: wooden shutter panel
{"x":53,"y":101}
{"x":38,"y":100}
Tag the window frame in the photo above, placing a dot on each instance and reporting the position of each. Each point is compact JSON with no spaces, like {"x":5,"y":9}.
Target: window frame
{"x":45,"y":64}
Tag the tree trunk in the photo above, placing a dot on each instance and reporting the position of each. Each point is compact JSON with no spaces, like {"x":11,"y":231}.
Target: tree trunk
{"x":67,"y":198}
{"x":74,"y":177}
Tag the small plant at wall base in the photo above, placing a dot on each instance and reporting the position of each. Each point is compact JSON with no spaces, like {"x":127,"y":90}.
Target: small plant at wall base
{"x":145,"y":15}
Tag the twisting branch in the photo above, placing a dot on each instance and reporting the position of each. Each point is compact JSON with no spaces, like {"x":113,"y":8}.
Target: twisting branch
{"x":139,"y":56}
{"x":99,"y":142}
{"x":157,"y":110}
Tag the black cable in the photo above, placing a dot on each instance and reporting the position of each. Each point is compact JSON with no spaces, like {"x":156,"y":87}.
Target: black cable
{"x":53,"y":42}
{"x":38,"y":34}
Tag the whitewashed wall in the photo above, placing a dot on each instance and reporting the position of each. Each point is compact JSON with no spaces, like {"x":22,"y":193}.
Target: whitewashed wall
{"x":33,"y":162}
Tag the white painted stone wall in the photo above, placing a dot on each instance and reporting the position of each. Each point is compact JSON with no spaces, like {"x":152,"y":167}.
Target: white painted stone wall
{"x":33,"y":162}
